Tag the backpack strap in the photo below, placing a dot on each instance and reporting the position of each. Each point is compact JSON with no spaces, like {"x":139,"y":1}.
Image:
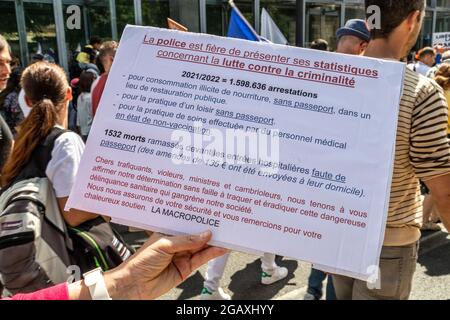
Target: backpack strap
{"x":41,"y":156}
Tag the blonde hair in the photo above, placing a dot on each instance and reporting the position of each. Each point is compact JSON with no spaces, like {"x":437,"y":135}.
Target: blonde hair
{"x":442,"y":76}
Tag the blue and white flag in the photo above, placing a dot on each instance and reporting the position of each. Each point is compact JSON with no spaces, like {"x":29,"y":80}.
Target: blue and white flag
{"x":239,"y":27}
{"x":269,"y":29}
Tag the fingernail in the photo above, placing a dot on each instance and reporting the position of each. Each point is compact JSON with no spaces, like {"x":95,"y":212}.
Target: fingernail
{"x":204,"y":235}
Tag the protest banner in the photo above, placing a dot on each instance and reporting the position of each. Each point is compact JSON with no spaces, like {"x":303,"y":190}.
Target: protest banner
{"x":275,"y":149}
{"x":441,"y":39}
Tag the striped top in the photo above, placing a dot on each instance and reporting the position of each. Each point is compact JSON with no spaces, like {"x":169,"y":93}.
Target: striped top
{"x":422,"y":152}
{"x":447,"y":96}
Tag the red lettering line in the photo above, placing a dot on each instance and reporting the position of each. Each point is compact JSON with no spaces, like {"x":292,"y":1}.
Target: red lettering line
{"x":277,"y":75}
{"x":233,"y":56}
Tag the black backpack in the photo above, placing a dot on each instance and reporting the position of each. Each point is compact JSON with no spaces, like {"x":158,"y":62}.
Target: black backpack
{"x":36,"y":245}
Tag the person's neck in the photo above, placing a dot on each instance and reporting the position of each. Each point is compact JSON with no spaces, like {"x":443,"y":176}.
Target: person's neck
{"x":62,"y":119}
{"x":383,"y":49}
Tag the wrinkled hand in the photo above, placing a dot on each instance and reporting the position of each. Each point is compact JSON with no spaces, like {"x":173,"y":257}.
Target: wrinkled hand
{"x":160,"y":265}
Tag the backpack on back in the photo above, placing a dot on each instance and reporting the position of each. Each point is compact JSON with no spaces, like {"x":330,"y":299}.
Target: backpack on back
{"x":36,"y":245}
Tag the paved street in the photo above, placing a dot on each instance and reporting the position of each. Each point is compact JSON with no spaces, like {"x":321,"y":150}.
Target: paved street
{"x":432,"y":279}
{"x":241,"y":279}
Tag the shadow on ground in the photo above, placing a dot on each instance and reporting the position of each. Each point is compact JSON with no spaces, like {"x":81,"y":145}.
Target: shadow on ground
{"x":192,"y":287}
{"x":245,"y":284}
{"x":437,"y":261}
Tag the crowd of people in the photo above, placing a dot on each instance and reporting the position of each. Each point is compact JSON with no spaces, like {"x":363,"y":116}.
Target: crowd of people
{"x":44,"y":124}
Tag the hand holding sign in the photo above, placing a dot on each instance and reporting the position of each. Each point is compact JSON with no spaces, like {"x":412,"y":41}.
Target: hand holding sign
{"x":275,"y":149}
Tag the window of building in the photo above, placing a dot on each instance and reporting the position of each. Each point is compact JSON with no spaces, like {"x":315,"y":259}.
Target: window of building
{"x":41,"y":30}
{"x":355,"y":12}
{"x":443,"y":3}
{"x":443,"y":21}
{"x":125,"y":14}
{"x":75,"y":37}
{"x":186,"y":12}
{"x":218,"y":14}
{"x":322,"y":21}
{"x":9,"y":26}
{"x":426,"y":34}
{"x":99,"y":19}
{"x":284,"y":13}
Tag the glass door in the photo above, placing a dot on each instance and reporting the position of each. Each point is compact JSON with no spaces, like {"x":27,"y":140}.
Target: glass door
{"x":9,"y":27}
{"x":322,"y":21}
{"x":41,"y":30}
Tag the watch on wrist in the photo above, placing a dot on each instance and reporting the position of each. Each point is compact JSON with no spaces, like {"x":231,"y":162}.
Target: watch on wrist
{"x":96,"y":284}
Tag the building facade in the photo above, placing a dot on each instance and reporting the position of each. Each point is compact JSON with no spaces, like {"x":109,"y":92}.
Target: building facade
{"x":59,"y":27}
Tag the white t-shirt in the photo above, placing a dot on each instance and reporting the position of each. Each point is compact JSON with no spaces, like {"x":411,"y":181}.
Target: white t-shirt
{"x":23,"y":104}
{"x":63,"y":167}
{"x":419,"y":67}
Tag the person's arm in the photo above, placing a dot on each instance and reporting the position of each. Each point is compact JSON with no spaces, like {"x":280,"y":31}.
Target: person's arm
{"x":429,"y":151}
{"x":160,"y":265}
{"x":74,"y":217}
{"x":440,"y":192}
{"x":62,"y":170}
{"x":58,"y":292}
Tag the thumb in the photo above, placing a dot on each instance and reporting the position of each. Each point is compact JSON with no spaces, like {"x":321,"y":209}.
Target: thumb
{"x":183,"y":243}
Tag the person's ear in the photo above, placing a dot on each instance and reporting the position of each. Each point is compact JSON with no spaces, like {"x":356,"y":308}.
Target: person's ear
{"x":69,"y":95}
{"x":28,"y":102}
{"x":363,"y":46}
{"x":414,"y":18}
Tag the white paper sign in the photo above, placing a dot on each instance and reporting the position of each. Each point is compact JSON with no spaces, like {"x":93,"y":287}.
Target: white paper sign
{"x":306,"y":174}
{"x":441,"y":39}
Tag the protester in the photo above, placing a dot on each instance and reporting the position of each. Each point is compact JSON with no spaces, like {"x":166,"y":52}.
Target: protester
{"x":6,"y":142}
{"x":426,"y":60}
{"x":353,"y":37}
{"x":270,"y":274}
{"x":320,"y":44}
{"x":430,"y":217}
{"x":47,"y":94}
{"x":442,"y":77}
{"x":35,"y":155}
{"x":444,"y":59}
{"x":84,"y":107}
{"x":89,"y":53}
{"x":5,"y":63}
{"x":422,"y":152}
{"x":106,"y":57}
{"x":314,"y":290}
{"x":9,"y":100}
{"x":160,"y":265}
{"x":6,"y":138}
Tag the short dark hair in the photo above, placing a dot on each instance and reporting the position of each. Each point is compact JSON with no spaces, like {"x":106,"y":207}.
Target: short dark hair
{"x":95,"y":40}
{"x":425,"y":51}
{"x":86,"y":80}
{"x":319,"y":44}
{"x":393,"y":13}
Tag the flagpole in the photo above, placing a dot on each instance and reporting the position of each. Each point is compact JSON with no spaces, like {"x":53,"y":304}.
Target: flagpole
{"x":233,"y":5}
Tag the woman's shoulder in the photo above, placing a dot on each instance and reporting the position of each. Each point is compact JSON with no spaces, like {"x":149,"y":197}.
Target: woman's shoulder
{"x":68,"y":141}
